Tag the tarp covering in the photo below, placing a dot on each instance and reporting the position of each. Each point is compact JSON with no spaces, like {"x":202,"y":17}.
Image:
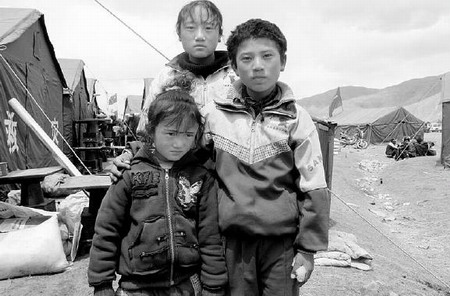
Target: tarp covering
{"x":445,"y":146}
{"x":26,"y":48}
{"x":133,"y":105}
{"x":93,"y":108}
{"x":73,"y":70}
{"x":379,"y":125}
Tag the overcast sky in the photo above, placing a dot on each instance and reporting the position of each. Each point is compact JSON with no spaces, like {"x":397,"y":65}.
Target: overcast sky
{"x":330,"y":43}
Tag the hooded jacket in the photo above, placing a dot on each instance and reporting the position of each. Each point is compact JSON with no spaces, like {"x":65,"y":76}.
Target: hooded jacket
{"x":201,"y":89}
{"x":157,"y":227}
{"x":272,"y":179}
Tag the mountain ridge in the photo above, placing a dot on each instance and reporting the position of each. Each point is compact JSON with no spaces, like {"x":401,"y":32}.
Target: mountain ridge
{"x":404,"y":94}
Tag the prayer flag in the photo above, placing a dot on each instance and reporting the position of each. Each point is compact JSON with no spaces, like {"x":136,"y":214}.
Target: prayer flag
{"x":112,"y":99}
{"x":336,"y":102}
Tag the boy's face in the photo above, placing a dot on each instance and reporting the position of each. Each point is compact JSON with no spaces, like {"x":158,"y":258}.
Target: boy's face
{"x":258,"y":65}
{"x":172,"y":142}
{"x":199,"y":36}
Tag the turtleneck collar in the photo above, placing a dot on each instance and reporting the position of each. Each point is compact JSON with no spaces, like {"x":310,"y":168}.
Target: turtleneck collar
{"x":258,"y":105}
{"x":221,"y":59}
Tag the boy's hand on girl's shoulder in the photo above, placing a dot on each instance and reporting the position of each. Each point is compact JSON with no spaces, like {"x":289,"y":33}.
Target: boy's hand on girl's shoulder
{"x":120,"y":163}
{"x":302,"y":267}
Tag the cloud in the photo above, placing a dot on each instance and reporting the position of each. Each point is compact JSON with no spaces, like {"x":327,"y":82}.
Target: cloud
{"x":330,"y":43}
{"x":382,"y":15}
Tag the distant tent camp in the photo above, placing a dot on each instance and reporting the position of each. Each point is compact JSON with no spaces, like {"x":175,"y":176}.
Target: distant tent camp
{"x":132,"y":112}
{"x":445,"y":145}
{"x":93,"y":108}
{"x":74,"y":74}
{"x":133,"y":105}
{"x":379,"y":125}
{"x":25,"y":47}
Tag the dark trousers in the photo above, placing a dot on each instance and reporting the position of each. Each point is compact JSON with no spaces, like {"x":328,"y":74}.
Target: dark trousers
{"x":260,"y":266}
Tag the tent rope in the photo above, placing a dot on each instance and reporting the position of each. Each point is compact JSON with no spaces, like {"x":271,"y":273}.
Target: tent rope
{"x":131,"y":29}
{"x":391,"y":241}
{"x":43,"y":112}
{"x":130,"y":130}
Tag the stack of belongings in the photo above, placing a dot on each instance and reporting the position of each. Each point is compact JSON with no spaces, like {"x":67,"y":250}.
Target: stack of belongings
{"x":344,"y":251}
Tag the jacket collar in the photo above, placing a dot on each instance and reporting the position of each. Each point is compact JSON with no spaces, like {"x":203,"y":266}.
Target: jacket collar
{"x":283,"y":102}
{"x":221,"y":57}
{"x":145,"y":154}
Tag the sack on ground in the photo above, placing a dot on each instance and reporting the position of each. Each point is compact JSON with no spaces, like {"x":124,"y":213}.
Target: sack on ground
{"x":34,"y":249}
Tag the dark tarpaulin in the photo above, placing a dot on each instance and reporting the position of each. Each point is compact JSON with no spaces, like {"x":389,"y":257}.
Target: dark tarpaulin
{"x":75,"y":102}
{"x":445,"y":146}
{"x":380,"y":125}
{"x":27,"y":49}
{"x":396,"y":125}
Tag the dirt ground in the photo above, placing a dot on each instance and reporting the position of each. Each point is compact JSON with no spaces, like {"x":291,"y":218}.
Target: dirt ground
{"x":398,"y":211}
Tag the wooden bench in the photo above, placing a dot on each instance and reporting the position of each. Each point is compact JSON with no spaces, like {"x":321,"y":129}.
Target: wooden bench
{"x":96,"y":185}
{"x":30,"y":184}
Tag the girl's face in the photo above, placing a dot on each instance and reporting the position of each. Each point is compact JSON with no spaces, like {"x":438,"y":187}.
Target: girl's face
{"x":258,"y":65}
{"x":172,"y":142}
{"x":199,"y":36}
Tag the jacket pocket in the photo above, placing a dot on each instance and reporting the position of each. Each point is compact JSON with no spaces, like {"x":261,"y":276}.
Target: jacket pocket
{"x":187,"y":249}
{"x":149,"y":251}
{"x":150,"y":262}
{"x":188,"y":255}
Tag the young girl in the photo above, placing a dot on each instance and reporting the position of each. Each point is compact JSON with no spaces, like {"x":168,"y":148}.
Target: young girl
{"x":157,"y":227}
{"x":203,"y":70}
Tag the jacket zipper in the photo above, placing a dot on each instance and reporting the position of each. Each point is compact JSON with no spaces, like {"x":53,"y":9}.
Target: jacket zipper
{"x":252,"y":139}
{"x":169,"y":220}
{"x":205,"y":85}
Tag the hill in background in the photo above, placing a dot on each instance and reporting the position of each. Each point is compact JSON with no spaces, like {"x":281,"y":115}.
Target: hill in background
{"x":420,"y":96}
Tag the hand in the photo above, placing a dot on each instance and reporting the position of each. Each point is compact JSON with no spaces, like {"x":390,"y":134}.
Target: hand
{"x":120,"y":163}
{"x":302,"y":267}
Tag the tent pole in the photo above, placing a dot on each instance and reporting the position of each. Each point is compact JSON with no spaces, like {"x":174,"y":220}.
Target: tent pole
{"x":54,"y":149}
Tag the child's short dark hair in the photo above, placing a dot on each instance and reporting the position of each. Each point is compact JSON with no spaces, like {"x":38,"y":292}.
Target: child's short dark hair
{"x":254,"y":29}
{"x":176,"y":106}
{"x":214,"y":14}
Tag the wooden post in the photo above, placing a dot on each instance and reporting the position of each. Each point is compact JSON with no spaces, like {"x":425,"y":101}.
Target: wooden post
{"x":60,"y":157}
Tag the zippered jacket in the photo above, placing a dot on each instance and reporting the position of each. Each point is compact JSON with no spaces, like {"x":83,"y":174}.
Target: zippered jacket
{"x":272,"y":179}
{"x":158,"y":227}
{"x":203,"y":89}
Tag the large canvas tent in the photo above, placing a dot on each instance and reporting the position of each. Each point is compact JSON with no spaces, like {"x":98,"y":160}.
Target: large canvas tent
{"x":379,"y":125}
{"x":133,"y":105}
{"x":29,"y":72}
{"x":132,"y":112}
{"x":77,"y":105}
{"x":445,"y":145}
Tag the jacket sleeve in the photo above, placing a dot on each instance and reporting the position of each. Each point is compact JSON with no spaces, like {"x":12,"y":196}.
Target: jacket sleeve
{"x":112,"y":219}
{"x":314,"y":196}
{"x":213,"y":268}
{"x":314,"y":221}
